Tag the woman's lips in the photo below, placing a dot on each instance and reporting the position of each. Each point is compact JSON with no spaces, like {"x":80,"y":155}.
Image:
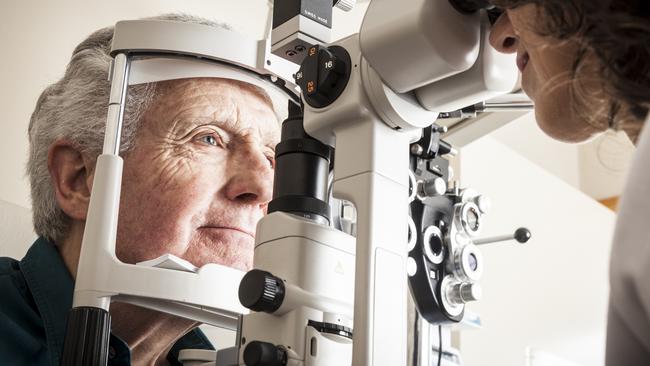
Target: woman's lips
{"x":522,"y":61}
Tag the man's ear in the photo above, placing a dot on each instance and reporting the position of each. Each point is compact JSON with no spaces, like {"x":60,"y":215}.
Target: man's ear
{"x":71,"y":175}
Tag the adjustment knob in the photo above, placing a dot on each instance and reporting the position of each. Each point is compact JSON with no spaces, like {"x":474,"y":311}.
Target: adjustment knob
{"x":323,"y":75}
{"x":462,"y":293}
{"x":261,"y":291}
{"x":264,"y":354}
{"x":483,"y":203}
{"x":345,"y":5}
{"x":433,"y":187}
{"x":522,"y":235}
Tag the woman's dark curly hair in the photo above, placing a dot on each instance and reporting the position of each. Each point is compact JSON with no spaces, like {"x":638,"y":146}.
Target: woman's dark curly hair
{"x":617,"y":32}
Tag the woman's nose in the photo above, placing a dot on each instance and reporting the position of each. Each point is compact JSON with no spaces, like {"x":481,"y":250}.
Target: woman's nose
{"x":503,"y":37}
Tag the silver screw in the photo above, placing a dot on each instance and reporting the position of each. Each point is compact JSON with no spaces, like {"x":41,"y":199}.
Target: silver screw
{"x":416,"y":149}
{"x":462,"y":293}
{"x":434,"y":187}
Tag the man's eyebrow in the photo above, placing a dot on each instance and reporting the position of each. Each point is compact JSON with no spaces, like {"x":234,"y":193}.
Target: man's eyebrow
{"x":226,"y":123}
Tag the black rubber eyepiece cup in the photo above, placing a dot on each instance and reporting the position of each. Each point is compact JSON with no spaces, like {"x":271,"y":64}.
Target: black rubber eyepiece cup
{"x":264,"y":354}
{"x":470,"y":6}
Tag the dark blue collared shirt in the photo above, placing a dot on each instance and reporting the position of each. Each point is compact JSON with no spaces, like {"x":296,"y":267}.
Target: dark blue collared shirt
{"x":35,"y":298}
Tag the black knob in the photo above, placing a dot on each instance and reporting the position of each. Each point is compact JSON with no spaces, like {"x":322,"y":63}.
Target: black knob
{"x":264,"y":354}
{"x":522,"y":235}
{"x":261,"y":291}
{"x":323,"y":75}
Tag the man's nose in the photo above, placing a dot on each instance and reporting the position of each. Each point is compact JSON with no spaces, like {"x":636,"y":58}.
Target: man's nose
{"x":503,"y":37}
{"x":251,"y":177}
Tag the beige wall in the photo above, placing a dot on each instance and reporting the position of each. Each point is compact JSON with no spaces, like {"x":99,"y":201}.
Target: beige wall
{"x":598,"y":167}
{"x":527,"y":139}
{"x":604,"y":164}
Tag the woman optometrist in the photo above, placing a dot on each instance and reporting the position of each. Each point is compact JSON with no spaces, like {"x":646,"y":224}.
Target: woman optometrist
{"x":586,"y":65}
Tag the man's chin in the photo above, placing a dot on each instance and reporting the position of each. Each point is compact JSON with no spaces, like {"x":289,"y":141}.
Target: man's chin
{"x":227,"y":247}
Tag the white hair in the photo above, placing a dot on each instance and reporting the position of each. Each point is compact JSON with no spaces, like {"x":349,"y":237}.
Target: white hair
{"x":74,"y":110}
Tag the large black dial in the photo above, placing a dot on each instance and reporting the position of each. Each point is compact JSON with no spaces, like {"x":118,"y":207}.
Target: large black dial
{"x":323,"y":75}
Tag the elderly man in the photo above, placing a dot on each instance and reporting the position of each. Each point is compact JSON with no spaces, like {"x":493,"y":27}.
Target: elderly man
{"x":198,"y":168}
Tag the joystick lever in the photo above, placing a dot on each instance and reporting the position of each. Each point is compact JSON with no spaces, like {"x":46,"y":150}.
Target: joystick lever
{"x":521,"y":235}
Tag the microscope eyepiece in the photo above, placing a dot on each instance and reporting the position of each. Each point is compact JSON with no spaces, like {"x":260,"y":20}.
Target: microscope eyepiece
{"x":264,"y":354}
{"x":471,"y":6}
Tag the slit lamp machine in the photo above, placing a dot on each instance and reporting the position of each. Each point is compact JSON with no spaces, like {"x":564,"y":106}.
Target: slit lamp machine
{"x":368,"y":242}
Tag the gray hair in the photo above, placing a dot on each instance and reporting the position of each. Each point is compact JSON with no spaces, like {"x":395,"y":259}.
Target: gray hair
{"x":74,"y":110}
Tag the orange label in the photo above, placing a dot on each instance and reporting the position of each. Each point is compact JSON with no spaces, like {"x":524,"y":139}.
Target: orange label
{"x":310,"y":87}
{"x":312,"y":51}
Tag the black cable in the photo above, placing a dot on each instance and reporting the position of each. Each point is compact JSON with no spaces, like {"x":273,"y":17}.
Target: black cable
{"x":439,"y":344}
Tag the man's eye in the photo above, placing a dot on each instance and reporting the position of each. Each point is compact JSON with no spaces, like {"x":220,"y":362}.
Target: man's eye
{"x":210,"y":140}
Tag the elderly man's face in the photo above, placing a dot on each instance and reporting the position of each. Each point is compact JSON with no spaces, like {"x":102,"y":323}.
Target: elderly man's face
{"x":200,"y":175}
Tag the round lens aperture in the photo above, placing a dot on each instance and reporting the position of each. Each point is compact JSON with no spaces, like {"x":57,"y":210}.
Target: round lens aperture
{"x":473,"y":219}
{"x":473,"y":262}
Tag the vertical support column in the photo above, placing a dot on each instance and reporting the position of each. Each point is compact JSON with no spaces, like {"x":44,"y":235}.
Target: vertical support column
{"x":101,"y":222}
{"x":88,"y":329}
{"x":116,"y":104}
{"x":372,"y":173}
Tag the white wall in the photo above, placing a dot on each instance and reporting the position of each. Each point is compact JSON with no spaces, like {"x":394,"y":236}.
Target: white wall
{"x":550,"y":294}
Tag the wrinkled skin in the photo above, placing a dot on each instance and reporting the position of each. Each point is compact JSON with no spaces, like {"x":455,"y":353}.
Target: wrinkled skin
{"x":200,"y":175}
{"x":565,"y":109}
{"x":195,"y":184}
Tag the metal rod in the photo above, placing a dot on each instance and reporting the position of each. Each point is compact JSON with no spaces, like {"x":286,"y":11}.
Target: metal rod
{"x":494,"y":239}
{"x":116,"y":104}
{"x":521,"y":235}
{"x":507,"y":107}
{"x":483,"y":107}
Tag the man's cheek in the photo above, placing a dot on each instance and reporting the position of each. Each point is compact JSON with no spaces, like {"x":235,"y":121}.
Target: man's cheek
{"x":152,"y":223}
{"x":172,"y":174}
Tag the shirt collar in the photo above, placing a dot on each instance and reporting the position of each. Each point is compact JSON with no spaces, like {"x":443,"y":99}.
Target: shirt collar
{"x":52,"y":287}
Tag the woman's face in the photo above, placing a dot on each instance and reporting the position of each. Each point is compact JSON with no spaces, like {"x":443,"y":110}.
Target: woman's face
{"x":547,"y":67}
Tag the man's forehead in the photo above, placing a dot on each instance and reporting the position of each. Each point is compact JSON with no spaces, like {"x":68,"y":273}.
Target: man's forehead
{"x":233,"y":104}
{"x":220,"y":91}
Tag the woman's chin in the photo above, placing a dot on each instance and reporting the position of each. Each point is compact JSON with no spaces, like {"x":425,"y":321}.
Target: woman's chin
{"x":568,"y":134}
